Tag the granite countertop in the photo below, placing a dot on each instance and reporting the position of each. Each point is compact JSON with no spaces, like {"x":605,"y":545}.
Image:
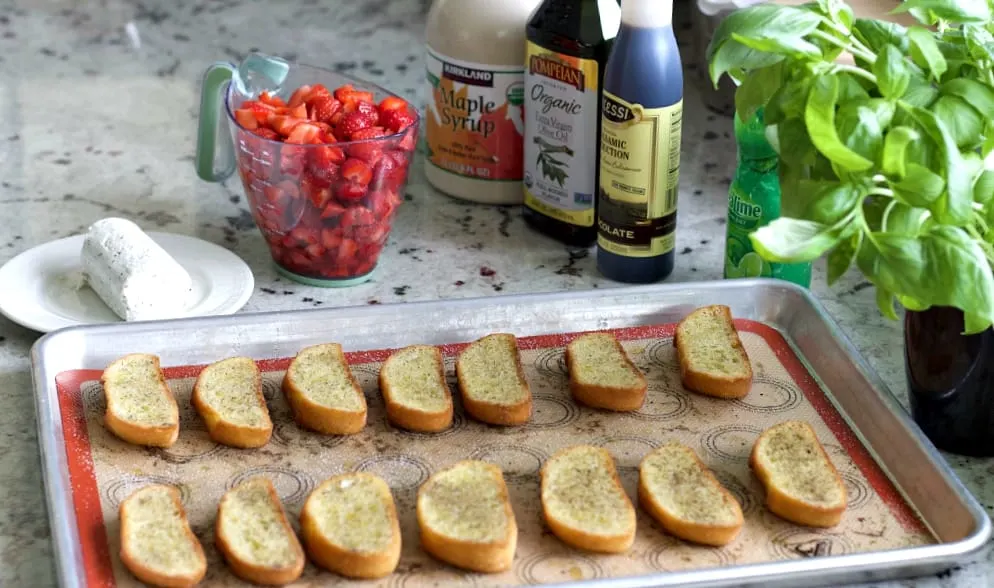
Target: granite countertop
{"x":101,"y":122}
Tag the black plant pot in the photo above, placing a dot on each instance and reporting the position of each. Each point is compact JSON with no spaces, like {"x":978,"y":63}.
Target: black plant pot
{"x":950,"y":381}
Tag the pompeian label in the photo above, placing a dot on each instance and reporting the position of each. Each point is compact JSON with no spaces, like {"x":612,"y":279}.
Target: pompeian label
{"x":473,"y":118}
{"x":640,"y":170}
{"x":560,"y":135}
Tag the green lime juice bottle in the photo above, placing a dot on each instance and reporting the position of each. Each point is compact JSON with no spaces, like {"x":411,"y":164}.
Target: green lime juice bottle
{"x":753,"y":202}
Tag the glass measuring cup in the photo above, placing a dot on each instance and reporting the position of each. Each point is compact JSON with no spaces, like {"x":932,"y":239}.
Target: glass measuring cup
{"x":321,"y":229}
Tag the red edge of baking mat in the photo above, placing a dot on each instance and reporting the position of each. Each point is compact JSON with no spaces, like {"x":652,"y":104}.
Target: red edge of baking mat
{"x":86,"y":498}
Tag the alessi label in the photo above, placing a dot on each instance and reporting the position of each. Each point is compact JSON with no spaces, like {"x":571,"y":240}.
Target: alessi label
{"x":639,"y":172}
{"x":560,"y":135}
{"x":473,"y":122}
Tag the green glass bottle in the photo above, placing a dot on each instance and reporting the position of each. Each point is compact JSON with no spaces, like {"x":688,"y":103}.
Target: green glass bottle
{"x":753,"y":202}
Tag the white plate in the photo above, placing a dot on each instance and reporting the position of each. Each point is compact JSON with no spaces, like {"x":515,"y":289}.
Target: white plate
{"x":39,"y":287}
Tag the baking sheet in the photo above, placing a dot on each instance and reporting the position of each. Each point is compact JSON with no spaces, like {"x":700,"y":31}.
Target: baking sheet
{"x":721,"y":431}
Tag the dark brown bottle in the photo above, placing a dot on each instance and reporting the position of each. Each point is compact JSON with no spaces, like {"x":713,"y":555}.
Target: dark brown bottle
{"x":950,"y":381}
{"x":568,"y":45}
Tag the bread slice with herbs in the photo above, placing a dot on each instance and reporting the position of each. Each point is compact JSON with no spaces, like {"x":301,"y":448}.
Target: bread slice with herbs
{"x":255,"y":537}
{"x":157,"y":544}
{"x":583,"y":502}
{"x":140,"y":407}
{"x":228,"y":396}
{"x":802,"y":485}
{"x":414,"y":389}
{"x":322,"y":392}
{"x":712,"y":358}
{"x":682,"y":494}
{"x":492,"y":381}
{"x":466,"y":519}
{"x":349,"y":526}
{"x":601,"y":374}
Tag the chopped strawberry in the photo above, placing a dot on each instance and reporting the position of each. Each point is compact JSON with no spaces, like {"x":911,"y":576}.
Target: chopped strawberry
{"x":283,"y":124}
{"x":367,"y":108}
{"x":299,"y":111}
{"x":392,"y":103}
{"x":267,"y":98}
{"x":317,"y":91}
{"x":276,"y":194}
{"x":358,"y":171}
{"x":318,"y":192}
{"x":246,"y":118}
{"x":267,"y":133}
{"x":314,"y":251}
{"x":398,"y":120}
{"x":352,"y":122}
{"x":350,"y":192}
{"x":331,"y":238}
{"x":291,"y":161}
{"x":346,"y":251}
{"x":298,"y":96}
{"x":325,"y":161}
{"x":357,"y":216}
{"x":332,"y":210}
{"x":323,"y":108}
{"x":303,"y":134}
{"x":409,"y":142}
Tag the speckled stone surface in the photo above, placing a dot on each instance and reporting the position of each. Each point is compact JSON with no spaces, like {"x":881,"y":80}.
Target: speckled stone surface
{"x":97,"y":123}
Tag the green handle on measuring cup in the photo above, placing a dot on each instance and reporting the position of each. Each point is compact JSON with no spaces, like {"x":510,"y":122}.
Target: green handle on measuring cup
{"x":216,"y":79}
{"x":209,"y":129}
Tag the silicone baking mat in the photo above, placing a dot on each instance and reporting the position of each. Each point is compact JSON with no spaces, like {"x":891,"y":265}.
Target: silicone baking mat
{"x":105,"y":470}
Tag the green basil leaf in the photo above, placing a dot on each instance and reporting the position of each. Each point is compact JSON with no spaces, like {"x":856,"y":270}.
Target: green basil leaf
{"x":955,"y":206}
{"x":978,"y":95}
{"x":860,"y":129}
{"x":901,"y":219}
{"x":756,"y":90}
{"x":925,"y":51}
{"x":882,"y":109}
{"x":764,"y":20}
{"x":885,"y":302}
{"x":784,"y":45}
{"x":983,"y":189}
{"x":892,"y":71}
{"x":795,"y":143}
{"x":895,"y":145}
{"x":832,"y":202}
{"x":943,"y":267}
{"x":850,"y":88}
{"x":958,"y":11}
{"x":920,"y":93}
{"x":788,"y":101}
{"x":842,"y":257}
{"x":963,"y":121}
{"x":875,"y":34}
{"x":789,"y":240}
{"x":819,"y":115}
{"x":873,"y":210}
{"x":919,"y":187}
{"x":912,"y":303}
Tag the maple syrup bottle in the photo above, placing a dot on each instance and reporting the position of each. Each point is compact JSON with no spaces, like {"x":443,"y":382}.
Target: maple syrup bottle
{"x":641,"y":127}
{"x":568,"y":45}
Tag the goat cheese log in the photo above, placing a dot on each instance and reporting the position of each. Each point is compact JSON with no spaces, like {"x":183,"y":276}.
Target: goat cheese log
{"x":132,"y":274}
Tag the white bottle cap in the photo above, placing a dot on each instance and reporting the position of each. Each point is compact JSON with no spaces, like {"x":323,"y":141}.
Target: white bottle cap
{"x":647,"y":13}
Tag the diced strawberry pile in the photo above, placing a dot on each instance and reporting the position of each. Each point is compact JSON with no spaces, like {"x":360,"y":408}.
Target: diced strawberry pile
{"x":325,"y":186}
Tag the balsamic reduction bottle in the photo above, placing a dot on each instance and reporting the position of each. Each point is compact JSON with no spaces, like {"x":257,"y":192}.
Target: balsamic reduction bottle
{"x":568,"y":44}
{"x":641,"y":128}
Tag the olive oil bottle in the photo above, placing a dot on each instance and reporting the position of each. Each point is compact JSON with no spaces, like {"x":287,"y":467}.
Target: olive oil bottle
{"x":568,"y":44}
{"x":641,"y":129}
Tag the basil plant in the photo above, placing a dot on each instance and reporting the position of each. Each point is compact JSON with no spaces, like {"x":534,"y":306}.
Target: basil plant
{"x":886,"y":141}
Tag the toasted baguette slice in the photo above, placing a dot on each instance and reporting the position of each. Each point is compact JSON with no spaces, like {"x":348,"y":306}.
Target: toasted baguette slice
{"x":140,"y":407}
{"x":157,"y":544}
{"x":682,"y":494}
{"x":349,"y":526}
{"x":584,"y":503}
{"x":602,"y":376}
{"x":323,"y":393}
{"x":414,"y":389}
{"x":802,"y":485}
{"x":255,"y":537}
{"x":466,"y":519}
{"x":712,"y":358}
{"x":228,"y":396}
{"x":492,"y":381}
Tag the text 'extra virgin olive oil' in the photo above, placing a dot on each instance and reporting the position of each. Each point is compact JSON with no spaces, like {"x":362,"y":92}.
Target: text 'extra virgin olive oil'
{"x":567,"y":47}
{"x":642,"y":117}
